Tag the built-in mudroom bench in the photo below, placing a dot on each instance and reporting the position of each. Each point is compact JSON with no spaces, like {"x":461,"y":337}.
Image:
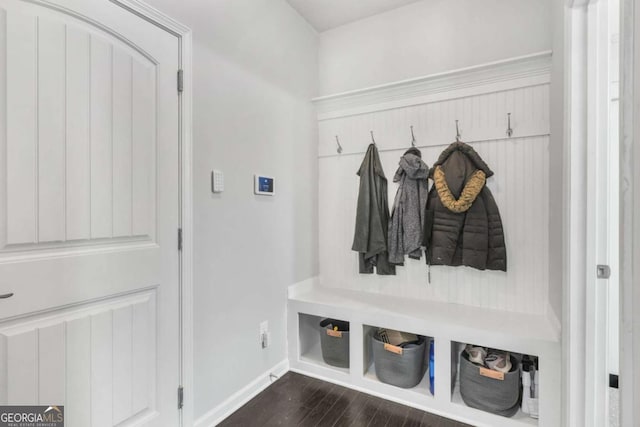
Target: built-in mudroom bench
{"x":450,"y":325}
{"x":501,"y":110}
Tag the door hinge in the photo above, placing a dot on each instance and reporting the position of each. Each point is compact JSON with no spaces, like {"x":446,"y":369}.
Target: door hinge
{"x":604,"y":271}
{"x":180,"y":80}
{"x":179,"y":239}
{"x":180,"y":397}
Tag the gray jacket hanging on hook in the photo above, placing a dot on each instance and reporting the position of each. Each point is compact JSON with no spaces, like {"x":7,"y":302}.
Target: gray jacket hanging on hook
{"x":372,"y":217}
{"x":405,"y":227}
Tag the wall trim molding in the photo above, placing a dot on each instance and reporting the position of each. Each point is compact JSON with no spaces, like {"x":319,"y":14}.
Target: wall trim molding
{"x":154,"y":16}
{"x":512,"y":73}
{"x":242,"y":396}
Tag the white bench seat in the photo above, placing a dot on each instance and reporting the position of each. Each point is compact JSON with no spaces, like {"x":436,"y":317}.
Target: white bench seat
{"x":449,"y":324}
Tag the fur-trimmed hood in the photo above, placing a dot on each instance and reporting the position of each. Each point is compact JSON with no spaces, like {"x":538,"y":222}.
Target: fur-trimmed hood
{"x":459,"y":161}
{"x":461,"y":148}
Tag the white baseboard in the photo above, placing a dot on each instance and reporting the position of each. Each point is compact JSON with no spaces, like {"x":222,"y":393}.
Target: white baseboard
{"x":235,"y":401}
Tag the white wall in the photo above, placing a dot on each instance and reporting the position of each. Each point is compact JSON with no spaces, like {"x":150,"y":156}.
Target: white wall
{"x":251,"y":114}
{"x":428,"y":37}
{"x":556,"y":158}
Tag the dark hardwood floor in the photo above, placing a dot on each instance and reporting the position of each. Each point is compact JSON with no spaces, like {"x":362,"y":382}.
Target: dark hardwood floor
{"x":298,"y":400}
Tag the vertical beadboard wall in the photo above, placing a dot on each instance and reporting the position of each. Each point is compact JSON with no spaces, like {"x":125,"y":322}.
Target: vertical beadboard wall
{"x":480,"y":99}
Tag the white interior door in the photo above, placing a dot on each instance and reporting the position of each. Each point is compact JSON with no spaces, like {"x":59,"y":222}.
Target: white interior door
{"x":89,"y":212}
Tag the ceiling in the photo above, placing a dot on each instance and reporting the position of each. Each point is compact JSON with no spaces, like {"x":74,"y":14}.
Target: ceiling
{"x":326,"y":14}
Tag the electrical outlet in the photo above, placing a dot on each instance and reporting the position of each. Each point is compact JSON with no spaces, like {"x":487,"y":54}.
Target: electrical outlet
{"x":264,"y":337}
{"x":266,"y":340}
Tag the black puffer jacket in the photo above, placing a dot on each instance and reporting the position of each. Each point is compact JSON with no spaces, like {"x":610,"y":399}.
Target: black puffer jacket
{"x":474,"y":238}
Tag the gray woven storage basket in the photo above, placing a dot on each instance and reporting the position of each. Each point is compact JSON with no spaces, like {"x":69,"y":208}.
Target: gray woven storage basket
{"x":404,"y":370}
{"x":501,"y":397}
{"x":335,"y":350}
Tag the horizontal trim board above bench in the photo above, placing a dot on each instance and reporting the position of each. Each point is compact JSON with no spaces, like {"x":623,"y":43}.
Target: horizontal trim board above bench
{"x":509,"y":74}
{"x":535,"y":136}
{"x":482,"y":117}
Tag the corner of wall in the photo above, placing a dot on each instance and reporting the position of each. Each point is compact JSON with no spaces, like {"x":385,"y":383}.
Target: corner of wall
{"x":242,"y":396}
{"x":556,"y":162}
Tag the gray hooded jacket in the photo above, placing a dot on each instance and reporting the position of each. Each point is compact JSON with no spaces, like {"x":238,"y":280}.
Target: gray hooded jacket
{"x":405,"y":227}
{"x":372,"y":217}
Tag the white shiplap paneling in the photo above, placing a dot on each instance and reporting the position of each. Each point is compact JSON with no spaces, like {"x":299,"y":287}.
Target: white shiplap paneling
{"x":520,"y":186}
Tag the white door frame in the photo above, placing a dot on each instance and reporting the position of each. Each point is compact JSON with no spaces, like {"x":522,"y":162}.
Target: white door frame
{"x":597,"y":185}
{"x":585,"y":302}
{"x":629,"y":213}
{"x":184,"y":36}
{"x":575,"y":118}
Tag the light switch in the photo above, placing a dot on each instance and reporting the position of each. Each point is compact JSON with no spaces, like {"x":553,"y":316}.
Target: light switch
{"x":217,"y":181}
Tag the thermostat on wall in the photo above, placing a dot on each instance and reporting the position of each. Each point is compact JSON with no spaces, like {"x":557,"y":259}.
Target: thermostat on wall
{"x":264,"y":185}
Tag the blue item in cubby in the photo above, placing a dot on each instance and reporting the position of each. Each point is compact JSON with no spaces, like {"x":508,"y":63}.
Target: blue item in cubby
{"x":431,"y":368}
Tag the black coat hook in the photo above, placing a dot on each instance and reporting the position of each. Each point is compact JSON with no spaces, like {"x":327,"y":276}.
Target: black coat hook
{"x":458,"y":136}
{"x":339,"y":149}
{"x":413,"y":138}
{"x":509,"y":130}
{"x":373,"y":140}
